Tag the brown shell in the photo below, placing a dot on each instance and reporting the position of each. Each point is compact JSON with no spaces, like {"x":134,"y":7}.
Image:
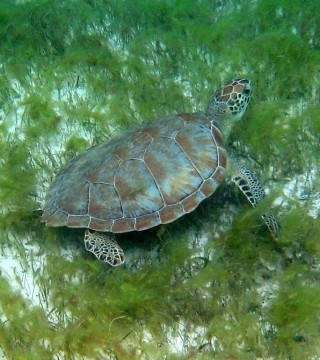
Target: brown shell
{"x":149,"y":176}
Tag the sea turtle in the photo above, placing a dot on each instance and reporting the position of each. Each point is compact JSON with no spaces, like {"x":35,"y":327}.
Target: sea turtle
{"x":152,"y":175}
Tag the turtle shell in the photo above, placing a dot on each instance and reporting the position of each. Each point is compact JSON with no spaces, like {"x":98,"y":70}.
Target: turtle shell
{"x":149,"y":176}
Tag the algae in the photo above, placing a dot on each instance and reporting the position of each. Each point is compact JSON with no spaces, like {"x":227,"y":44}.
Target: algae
{"x":213,"y":284}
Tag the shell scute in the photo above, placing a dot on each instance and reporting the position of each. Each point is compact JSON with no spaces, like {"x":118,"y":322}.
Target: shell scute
{"x":171,"y":213}
{"x":123,"y":225}
{"x":217,"y":136}
{"x":165,"y":127}
{"x":73,"y":202}
{"x":55,"y":217}
{"x":210,"y":186}
{"x":191,"y":202}
{"x":197,"y":118}
{"x":147,"y":221}
{"x":97,"y":173}
{"x":104,"y":202}
{"x":75,"y":221}
{"x":203,"y":158}
{"x":100,"y":225}
{"x":173,"y":171}
{"x":137,"y":189}
{"x":134,"y":148}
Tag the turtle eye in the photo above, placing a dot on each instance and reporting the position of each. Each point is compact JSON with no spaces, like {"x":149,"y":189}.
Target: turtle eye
{"x":247,"y":90}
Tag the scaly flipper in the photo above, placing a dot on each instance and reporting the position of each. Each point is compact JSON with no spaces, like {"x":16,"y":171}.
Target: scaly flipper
{"x":248,"y":182}
{"x":104,"y":247}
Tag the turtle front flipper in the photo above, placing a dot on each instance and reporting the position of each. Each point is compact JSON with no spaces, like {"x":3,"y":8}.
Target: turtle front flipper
{"x":104,"y":247}
{"x":248,"y":182}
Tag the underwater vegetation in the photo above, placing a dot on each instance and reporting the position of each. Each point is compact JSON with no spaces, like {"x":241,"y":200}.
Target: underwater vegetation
{"x":213,"y":284}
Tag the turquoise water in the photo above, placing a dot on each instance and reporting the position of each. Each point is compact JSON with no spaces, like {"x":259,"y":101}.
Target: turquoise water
{"x":213,"y":284}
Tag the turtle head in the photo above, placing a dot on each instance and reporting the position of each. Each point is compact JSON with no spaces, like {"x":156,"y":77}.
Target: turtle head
{"x":230,"y":103}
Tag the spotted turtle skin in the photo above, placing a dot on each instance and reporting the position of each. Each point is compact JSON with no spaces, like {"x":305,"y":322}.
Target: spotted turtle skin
{"x":152,"y":175}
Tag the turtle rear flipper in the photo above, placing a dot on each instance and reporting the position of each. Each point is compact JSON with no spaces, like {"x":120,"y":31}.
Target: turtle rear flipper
{"x":248,"y":182}
{"x":104,"y":247}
